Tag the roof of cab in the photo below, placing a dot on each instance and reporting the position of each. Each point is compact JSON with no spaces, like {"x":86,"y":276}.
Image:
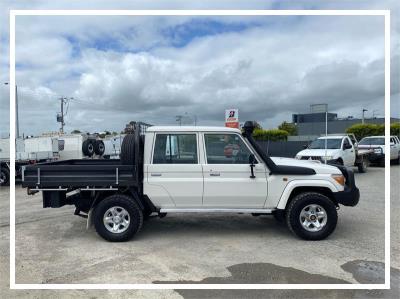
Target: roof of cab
{"x":191,"y":129}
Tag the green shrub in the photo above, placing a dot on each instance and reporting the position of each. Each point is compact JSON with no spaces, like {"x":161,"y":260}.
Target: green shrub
{"x":364,"y":130}
{"x":395,"y":129}
{"x":272,"y":135}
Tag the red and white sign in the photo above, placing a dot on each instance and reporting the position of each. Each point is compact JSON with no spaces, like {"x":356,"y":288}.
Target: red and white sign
{"x":232,"y":118}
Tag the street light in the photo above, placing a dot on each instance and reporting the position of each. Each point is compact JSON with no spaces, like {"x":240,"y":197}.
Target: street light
{"x":16,"y":109}
{"x":179,"y":118}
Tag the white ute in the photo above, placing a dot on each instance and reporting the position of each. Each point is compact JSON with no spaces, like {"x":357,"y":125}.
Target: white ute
{"x":377,"y":144}
{"x":195,"y":170}
{"x":338,"y":150}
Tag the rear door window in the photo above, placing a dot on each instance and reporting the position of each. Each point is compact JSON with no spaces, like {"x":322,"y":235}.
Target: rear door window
{"x":175,"y":149}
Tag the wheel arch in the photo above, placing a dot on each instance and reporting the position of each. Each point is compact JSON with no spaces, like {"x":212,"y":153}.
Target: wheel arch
{"x":143,"y":201}
{"x":291,"y":190}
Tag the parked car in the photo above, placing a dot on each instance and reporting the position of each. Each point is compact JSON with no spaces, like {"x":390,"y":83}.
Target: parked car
{"x":337,"y":149}
{"x":377,"y":144}
{"x":196,"y":175}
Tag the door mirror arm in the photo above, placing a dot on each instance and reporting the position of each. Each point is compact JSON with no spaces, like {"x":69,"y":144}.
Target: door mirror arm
{"x":252,"y":160}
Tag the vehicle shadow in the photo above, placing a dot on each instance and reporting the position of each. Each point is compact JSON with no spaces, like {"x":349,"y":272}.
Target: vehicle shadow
{"x":202,"y":226}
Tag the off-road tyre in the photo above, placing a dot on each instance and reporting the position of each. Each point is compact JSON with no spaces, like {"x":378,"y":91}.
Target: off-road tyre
{"x":127,"y":155}
{"x":381,"y":162}
{"x":135,"y":216}
{"x":88,"y":147}
{"x":397,"y":161}
{"x":5,"y":176}
{"x":363,"y":166}
{"x":302,"y":200}
{"x":99,"y":147}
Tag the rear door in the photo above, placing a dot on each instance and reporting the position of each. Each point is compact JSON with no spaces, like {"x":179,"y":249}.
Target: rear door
{"x":175,"y":176}
{"x":227,"y":182}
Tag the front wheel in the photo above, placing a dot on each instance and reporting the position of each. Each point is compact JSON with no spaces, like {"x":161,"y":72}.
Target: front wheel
{"x":118,"y":218}
{"x":363,"y":165}
{"x":311,"y":216}
{"x":4,"y":177}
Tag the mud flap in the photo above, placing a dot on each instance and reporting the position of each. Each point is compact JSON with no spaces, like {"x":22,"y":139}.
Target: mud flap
{"x":89,"y":221}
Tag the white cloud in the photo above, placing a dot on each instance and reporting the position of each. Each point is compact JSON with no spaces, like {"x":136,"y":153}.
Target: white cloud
{"x":267,"y":71}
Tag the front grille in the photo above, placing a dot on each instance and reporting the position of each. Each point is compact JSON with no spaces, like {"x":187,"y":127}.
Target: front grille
{"x":311,"y":158}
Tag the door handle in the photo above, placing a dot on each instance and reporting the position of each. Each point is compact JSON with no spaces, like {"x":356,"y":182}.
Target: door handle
{"x":156,"y":174}
{"x":215,"y":174}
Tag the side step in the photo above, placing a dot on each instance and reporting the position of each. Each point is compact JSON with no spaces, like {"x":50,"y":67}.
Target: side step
{"x":205,"y":210}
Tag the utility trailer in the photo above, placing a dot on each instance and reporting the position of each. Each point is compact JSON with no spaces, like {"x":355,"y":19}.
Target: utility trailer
{"x":171,"y":169}
{"x":27,"y":151}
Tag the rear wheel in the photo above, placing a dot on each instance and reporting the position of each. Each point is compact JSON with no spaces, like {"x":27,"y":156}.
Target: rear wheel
{"x":118,"y":218}
{"x":4,"y":176}
{"x":311,"y":216}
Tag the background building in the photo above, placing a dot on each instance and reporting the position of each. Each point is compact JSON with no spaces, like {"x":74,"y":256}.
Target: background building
{"x":313,"y":124}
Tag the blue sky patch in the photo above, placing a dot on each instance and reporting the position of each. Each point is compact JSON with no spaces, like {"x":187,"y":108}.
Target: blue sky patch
{"x":182,"y":34}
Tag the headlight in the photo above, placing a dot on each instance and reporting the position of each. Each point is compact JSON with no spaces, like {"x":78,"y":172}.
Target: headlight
{"x":378,"y":151}
{"x":339,"y":178}
{"x":298,"y":157}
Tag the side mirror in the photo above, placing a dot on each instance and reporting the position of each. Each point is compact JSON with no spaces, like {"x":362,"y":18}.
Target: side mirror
{"x":305,"y":146}
{"x":252,"y":159}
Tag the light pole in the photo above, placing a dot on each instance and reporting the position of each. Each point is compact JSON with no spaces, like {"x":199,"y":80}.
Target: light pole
{"x":16,"y":110}
{"x":363,"y":111}
{"x":179,"y":118}
{"x":60,"y":117}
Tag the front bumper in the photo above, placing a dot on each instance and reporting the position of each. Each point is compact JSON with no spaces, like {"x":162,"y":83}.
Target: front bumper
{"x":351,"y":194}
{"x":376,"y":157}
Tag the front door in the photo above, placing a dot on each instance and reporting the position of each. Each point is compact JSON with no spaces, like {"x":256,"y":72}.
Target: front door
{"x":348,"y":152}
{"x":175,"y":177}
{"x":227,"y":182}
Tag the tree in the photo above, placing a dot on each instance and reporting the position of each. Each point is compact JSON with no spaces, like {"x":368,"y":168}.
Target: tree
{"x":76,"y":131}
{"x":288,"y":127}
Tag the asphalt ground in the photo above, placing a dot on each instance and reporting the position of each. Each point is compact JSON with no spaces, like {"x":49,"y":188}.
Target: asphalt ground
{"x":53,"y":246}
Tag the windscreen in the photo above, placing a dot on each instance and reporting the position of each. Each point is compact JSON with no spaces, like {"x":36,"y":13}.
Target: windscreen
{"x":373,"y":141}
{"x":335,"y":143}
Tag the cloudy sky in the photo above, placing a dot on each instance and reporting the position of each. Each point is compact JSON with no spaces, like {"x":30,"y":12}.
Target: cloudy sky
{"x":151,"y":69}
